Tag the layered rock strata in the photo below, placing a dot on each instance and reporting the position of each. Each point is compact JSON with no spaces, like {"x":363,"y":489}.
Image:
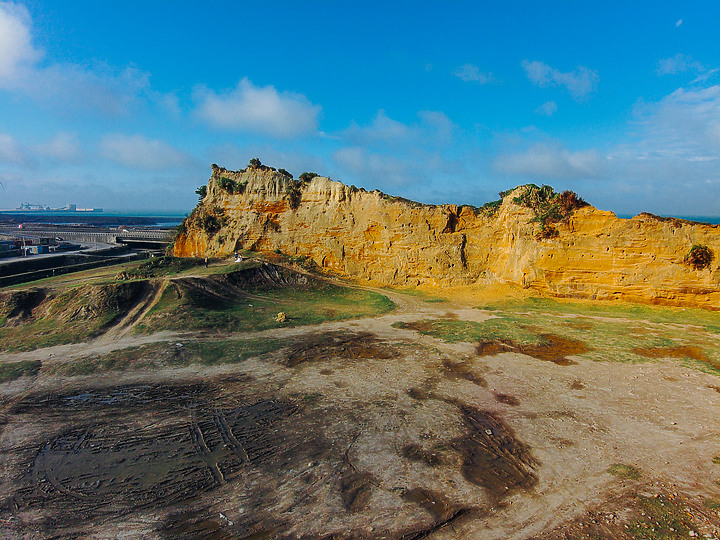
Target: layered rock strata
{"x":392,"y":241}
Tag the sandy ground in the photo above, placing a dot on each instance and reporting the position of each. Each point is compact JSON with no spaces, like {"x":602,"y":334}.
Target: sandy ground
{"x":357,"y":430}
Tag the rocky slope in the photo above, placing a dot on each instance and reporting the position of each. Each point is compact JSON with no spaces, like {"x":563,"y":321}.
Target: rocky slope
{"x":582,"y":253}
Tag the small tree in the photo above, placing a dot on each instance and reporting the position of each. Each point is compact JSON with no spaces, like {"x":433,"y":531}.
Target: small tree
{"x":202,"y":192}
{"x":285,"y":173}
{"x":254,"y":163}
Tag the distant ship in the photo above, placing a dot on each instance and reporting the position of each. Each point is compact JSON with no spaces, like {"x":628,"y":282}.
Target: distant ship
{"x":32,"y":208}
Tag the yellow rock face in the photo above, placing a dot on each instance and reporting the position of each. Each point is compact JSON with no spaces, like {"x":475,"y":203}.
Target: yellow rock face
{"x":369,"y":235}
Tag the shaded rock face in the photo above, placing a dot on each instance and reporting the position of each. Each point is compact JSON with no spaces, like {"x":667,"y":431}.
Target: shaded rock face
{"x":391,"y":241}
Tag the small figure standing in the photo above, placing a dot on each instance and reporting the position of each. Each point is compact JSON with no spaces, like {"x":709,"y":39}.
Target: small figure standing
{"x":206,"y":263}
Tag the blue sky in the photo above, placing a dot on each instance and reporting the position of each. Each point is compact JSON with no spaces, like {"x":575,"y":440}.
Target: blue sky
{"x":126,"y":104}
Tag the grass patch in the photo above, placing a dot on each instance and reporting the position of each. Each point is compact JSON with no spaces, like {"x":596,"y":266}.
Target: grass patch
{"x":255,"y":308}
{"x":425,"y":297}
{"x":663,"y":519}
{"x":9,"y":371}
{"x":44,"y":317}
{"x":164,"y":355}
{"x":620,"y":332}
{"x":160,"y":266}
{"x":625,"y":471}
{"x":716,"y":460}
{"x":453,"y":331}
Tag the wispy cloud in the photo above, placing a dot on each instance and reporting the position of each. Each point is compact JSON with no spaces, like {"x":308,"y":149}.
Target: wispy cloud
{"x":17,"y":52}
{"x":11,"y":151}
{"x":678,"y":64}
{"x":471,"y":73}
{"x":258,"y":109}
{"x":64,"y":87}
{"x":550,"y":161}
{"x":678,"y":23}
{"x":548,"y":108}
{"x":433,"y":128}
{"x":139,"y":152}
{"x":63,"y":147}
{"x":580,"y":82}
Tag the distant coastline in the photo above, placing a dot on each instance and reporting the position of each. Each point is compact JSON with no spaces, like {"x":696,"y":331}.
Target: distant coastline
{"x":107,"y":218}
{"x":699,"y":219}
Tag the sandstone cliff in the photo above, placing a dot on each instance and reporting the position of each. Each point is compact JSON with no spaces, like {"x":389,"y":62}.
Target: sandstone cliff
{"x":369,"y":235}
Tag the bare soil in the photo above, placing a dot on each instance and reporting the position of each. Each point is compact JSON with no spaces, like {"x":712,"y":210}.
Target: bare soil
{"x":359,"y":429}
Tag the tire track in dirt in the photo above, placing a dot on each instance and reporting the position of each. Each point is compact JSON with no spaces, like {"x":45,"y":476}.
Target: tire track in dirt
{"x":136,"y":314}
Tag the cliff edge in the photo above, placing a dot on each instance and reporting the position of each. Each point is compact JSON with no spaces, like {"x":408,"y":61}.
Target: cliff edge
{"x":533,"y":238}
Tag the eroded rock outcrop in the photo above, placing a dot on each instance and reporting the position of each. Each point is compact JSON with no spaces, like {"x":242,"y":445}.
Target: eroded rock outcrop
{"x":352,"y":232}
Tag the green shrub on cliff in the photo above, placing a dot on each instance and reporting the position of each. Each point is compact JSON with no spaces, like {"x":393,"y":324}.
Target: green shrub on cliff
{"x":226,"y":184}
{"x":491,"y":208}
{"x":307,"y":176}
{"x":699,"y":256}
{"x":202,"y":192}
{"x":549,"y":207}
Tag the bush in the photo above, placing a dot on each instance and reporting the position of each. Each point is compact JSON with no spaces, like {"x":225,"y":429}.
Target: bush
{"x":294,"y":195}
{"x":202,"y":192}
{"x":226,"y":184}
{"x":285,"y":173}
{"x":699,"y":256}
{"x":491,"y":208}
{"x":549,"y":207}
{"x":182,"y":228}
{"x":254,"y":163}
{"x":307,"y":176}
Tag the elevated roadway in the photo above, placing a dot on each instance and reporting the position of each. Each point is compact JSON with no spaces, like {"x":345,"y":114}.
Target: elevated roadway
{"x":147,"y":238}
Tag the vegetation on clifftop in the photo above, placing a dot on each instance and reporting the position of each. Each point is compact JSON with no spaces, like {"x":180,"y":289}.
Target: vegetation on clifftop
{"x":549,"y":207}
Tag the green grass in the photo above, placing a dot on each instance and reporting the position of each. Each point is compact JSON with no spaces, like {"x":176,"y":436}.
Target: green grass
{"x":71,"y":315}
{"x":610,"y":332}
{"x":425,"y":297}
{"x":9,"y":371}
{"x":164,"y":355}
{"x":663,"y":519}
{"x":454,"y":331}
{"x":302,"y":306}
{"x":625,"y":471}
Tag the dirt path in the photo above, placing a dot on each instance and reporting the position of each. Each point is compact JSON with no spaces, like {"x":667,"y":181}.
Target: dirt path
{"x":136,"y":314}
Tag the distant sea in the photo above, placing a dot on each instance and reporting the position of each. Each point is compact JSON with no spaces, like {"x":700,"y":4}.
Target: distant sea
{"x":702,"y":219}
{"x":106,"y":218}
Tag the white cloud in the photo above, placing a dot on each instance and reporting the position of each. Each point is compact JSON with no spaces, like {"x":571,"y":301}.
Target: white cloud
{"x":16,"y":48}
{"x":678,"y":64}
{"x":258,"y":109}
{"x":685,"y":123}
{"x":386,"y":153}
{"x":139,"y":152}
{"x":678,"y":23}
{"x":64,"y":147}
{"x":433,"y":128}
{"x":63,"y":87}
{"x":11,"y":152}
{"x":469,"y":72}
{"x":550,"y":161}
{"x":377,"y":169}
{"x":548,"y":108}
{"x":580,"y":82}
